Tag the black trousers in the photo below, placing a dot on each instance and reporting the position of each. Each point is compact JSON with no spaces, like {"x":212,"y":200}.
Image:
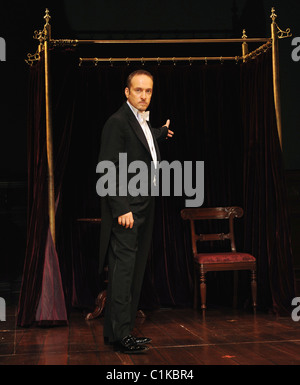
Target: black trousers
{"x":127,"y":258}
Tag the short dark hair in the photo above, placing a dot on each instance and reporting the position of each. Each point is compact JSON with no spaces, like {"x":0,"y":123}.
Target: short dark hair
{"x":137,"y":72}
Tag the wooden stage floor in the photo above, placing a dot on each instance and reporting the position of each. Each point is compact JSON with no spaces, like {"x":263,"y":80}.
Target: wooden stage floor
{"x":179,"y":337}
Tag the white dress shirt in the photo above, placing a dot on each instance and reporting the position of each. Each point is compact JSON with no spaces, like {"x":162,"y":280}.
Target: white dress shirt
{"x":142,"y":118}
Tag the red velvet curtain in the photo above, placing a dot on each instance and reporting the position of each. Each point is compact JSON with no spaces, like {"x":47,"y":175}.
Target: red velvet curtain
{"x":267,"y":229}
{"x":222,"y":114}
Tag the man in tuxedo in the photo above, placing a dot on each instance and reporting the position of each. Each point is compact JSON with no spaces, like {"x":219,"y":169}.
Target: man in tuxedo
{"x":127,"y":220}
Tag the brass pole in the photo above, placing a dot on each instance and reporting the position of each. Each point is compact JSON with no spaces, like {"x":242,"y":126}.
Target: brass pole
{"x":246,"y":55}
{"x":159,"y":41}
{"x":275,"y":66}
{"x":128,"y":60}
{"x":51,"y":194}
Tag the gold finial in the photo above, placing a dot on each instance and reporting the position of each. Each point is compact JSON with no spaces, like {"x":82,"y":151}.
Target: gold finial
{"x":273,"y":14}
{"x":244,"y":45}
{"x":47,"y":17}
{"x":42,"y":37}
{"x":281,"y":34}
{"x":47,"y":26}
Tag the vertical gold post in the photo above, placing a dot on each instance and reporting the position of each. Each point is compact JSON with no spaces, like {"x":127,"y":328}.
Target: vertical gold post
{"x":51,"y":193}
{"x":244,"y":45}
{"x":276,"y":82}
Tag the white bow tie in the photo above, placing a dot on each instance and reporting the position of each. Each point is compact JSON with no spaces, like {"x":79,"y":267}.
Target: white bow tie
{"x":144,"y":115}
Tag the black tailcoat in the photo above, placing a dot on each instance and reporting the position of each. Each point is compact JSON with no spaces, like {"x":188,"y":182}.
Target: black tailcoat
{"x":122,"y":133}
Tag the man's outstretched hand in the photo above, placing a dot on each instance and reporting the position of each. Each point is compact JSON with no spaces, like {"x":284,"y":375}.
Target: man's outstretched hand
{"x":170,"y":133}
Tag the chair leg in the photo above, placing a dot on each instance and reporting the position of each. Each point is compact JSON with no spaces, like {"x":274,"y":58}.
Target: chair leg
{"x":235,"y":288}
{"x":195,"y":287}
{"x":203,"y":289}
{"x":254,"y":288}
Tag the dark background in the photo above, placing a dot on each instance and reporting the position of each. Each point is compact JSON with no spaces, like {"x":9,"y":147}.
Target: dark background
{"x":118,"y":19}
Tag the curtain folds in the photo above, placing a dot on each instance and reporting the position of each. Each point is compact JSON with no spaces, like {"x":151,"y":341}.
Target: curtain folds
{"x":267,"y":232}
{"x":222,"y":114}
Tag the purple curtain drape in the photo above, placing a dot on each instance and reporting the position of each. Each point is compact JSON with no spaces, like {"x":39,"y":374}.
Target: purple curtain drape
{"x":222,"y":114}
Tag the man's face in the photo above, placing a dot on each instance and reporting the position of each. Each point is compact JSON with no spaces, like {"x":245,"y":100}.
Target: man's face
{"x":140,"y":92}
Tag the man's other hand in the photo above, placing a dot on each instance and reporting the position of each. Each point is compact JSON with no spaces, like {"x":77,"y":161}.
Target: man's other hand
{"x":126,"y":220}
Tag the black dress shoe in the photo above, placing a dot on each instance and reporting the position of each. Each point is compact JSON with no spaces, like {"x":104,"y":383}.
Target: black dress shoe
{"x":128,"y":345}
{"x":142,"y":340}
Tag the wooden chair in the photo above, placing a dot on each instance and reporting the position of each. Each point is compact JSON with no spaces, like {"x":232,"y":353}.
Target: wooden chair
{"x":218,"y":261}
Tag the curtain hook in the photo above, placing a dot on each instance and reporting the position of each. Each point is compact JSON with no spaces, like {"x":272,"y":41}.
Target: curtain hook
{"x":221,"y":60}
{"x":158,"y":61}
{"x":127,"y":61}
{"x":190,"y":61}
{"x":111,"y":63}
{"x":142,"y":61}
{"x":96,"y":61}
{"x":80,"y":61}
{"x":205,"y":60}
{"x":174,"y":62}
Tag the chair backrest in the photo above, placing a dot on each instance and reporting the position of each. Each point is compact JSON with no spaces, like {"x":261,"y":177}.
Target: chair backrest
{"x":229,"y":213}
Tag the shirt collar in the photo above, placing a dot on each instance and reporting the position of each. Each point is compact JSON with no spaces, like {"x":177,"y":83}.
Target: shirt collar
{"x":136,"y":111}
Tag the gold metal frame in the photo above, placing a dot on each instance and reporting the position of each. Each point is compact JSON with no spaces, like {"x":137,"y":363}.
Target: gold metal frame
{"x":46,"y":41}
